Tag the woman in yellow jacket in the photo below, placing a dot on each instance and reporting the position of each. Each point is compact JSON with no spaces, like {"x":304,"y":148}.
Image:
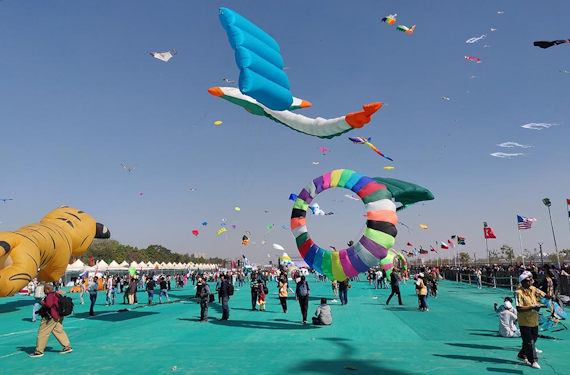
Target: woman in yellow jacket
{"x":283,"y":292}
{"x":421,"y":291}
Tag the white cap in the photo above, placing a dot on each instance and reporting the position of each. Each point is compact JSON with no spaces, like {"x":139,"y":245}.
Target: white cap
{"x":508,"y":305}
{"x":525,"y":275}
{"x":421,"y":274}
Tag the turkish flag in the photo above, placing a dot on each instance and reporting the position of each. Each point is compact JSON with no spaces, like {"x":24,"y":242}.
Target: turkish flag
{"x":444,"y":246}
{"x":489,"y":232}
{"x":410,"y":244}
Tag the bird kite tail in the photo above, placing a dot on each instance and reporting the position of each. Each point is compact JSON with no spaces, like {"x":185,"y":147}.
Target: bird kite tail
{"x":361,"y":118}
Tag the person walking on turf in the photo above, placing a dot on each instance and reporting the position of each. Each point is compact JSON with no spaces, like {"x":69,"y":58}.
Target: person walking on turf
{"x":394,"y":283}
{"x":527,"y":313}
{"x":421,"y":291}
{"x":163,"y":290}
{"x":150,"y":285}
{"x":283,"y":292}
{"x":254,"y":288}
{"x":51,"y":322}
{"x":343,"y":287}
{"x":302,"y":293}
{"x":224,"y":294}
{"x":204,"y":300}
{"x":92,"y":289}
{"x":323,"y":315}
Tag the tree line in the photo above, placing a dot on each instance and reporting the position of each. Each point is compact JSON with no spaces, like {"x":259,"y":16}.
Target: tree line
{"x":109,"y":250}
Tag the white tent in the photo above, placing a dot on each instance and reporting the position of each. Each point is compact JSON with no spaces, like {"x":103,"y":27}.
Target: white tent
{"x":101,"y":266}
{"x":149,"y":266}
{"x":114,"y":266}
{"x":141,"y":266}
{"x":169,"y":266}
{"x":124,"y":264}
{"x":162,"y":265}
{"x":156,"y":266}
{"x":78,"y":265}
{"x":133,"y":264}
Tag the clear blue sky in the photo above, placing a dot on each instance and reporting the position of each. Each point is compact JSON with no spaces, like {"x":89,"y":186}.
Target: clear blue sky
{"x":80,"y":95}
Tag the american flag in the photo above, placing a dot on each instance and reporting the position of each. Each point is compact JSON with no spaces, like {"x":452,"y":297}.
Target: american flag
{"x":525,"y":222}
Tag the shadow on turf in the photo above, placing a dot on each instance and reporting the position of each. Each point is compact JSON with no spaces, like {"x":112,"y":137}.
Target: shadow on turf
{"x":32,"y":349}
{"x":339,"y":366}
{"x":478,"y":359}
{"x":477,"y":346}
{"x":263,"y":325}
{"x":504,"y":370}
{"x":15,"y":305}
{"x":116,"y":316}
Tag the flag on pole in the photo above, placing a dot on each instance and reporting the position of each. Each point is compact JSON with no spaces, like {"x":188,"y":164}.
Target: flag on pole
{"x":488,"y":231}
{"x":525,"y":222}
{"x":423,"y":251}
{"x":410,"y":244}
{"x":460,"y":240}
{"x":444,"y":245}
{"x":568,"y":206}
{"x":432,"y":249}
{"x":450,"y":242}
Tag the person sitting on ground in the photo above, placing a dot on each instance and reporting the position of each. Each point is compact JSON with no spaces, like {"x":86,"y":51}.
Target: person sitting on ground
{"x":507,"y":320}
{"x":323,"y":315}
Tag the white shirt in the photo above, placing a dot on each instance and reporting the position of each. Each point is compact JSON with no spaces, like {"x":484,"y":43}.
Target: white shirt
{"x":507,"y":325}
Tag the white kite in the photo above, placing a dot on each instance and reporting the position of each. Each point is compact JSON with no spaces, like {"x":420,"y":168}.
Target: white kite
{"x":504,"y":155}
{"x":475,"y":39}
{"x":164,"y":56}
{"x":537,"y":125}
{"x":352,"y":197}
{"x":513,"y":144}
{"x":276,"y":246}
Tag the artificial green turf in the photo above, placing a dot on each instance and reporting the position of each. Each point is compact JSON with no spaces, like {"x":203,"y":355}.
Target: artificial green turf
{"x":457,"y":336}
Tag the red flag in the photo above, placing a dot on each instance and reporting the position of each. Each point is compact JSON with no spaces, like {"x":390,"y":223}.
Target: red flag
{"x":568,"y":201}
{"x":91,"y":262}
{"x":451,"y":243}
{"x":410,"y":244}
{"x":488,"y":232}
{"x":444,"y":245}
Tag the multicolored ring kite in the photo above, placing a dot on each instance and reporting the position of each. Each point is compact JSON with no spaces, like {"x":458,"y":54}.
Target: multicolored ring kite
{"x":373,"y":245}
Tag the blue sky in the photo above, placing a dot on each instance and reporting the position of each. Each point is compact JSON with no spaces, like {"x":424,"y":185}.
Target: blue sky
{"x":80,"y":95}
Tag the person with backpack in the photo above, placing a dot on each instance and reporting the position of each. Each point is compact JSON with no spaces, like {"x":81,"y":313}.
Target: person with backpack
{"x":302,"y":293}
{"x":204,"y":300}
{"x":150,"y":285}
{"x":225,"y":291}
{"x":52,"y":322}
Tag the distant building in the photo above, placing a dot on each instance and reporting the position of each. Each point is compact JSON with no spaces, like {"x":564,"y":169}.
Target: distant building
{"x":198,"y":255}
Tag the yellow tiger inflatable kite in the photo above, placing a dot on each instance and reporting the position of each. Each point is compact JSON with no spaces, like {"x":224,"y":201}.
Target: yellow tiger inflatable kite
{"x":43,"y":249}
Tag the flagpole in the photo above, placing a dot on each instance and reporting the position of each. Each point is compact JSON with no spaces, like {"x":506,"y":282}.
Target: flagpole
{"x":488,"y":255}
{"x":520,"y":241}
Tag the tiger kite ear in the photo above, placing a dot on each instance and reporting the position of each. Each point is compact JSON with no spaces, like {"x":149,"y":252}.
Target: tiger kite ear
{"x":101,"y":231}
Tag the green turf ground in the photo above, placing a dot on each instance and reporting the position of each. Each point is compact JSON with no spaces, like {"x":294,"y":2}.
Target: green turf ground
{"x":457,"y":336}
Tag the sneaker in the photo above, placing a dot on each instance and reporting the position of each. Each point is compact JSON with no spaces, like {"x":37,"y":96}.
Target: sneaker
{"x":538,"y":351}
{"x":524,"y":360}
{"x":66,"y":350}
{"x":535,"y":365}
{"x":36,"y":355}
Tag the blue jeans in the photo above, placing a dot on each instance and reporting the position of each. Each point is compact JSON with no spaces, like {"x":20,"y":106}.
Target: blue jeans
{"x":225,"y":307}
{"x":150,"y":295}
{"x":343,"y":295}
{"x":163,"y":292}
{"x":93,"y":298}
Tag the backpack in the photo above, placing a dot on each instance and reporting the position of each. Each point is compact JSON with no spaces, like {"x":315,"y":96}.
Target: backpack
{"x":65,"y":305}
{"x":230,"y":289}
{"x":303,"y":291}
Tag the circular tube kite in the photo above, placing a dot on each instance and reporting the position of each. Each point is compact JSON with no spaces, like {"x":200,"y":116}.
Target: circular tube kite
{"x":378,"y":236}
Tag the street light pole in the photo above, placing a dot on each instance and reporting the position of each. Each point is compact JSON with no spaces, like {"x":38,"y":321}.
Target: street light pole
{"x":547,"y":203}
{"x":541,"y":258}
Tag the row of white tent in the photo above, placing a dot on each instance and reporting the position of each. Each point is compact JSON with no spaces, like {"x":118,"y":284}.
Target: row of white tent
{"x":102,"y":266}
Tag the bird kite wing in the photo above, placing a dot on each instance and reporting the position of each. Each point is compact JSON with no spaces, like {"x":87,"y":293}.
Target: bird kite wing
{"x":545,"y":44}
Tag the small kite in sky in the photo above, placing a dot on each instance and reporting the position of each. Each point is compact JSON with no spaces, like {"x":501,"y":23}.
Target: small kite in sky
{"x":471,"y":58}
{"x":195,"y":232}
{"x":141,"y":194}
{"x":324,"y":150}
{"x":565,"y":71}
{"x":127,"y":168}
{"x":221,"y":230}
{"x":486,"y":45}
{"x":390,"y":19}
{"x":537,"y":126}
{"x":512,"y":144}
{"x":269,"y":227}
{"x":228,"y":81}
{"x":4,"y":200}
{"x":193,"y":189}
{"x":423,"y":226}
{"x":164,"y":56}
{"x":245,"y":240}
{"x":388,"y":168}
{"x":492,"y":29}
{"x":544,"y":44}
{"x":237,"y":208}
{"x":218,"y":123}
{"x":406,"y":29}
{"x":204,"y":223}
{"x":445,"y":98}
{"x":223,"y":224}
{"x":475,"y":39}
{"x":315,"y":163}
{"x":472,"y":76}
{"x":276,"y":246}
{"x":352,"y":197}
{"x":365,"y":141}
{"x":504,"y":155}
{"x":500,"y":12}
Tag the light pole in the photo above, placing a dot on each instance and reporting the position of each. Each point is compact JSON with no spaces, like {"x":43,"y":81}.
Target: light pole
{"x":547,"y":203}
{"x":541,"y":259}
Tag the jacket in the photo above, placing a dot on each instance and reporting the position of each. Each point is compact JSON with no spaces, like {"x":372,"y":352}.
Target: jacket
{"x":51,"y":305}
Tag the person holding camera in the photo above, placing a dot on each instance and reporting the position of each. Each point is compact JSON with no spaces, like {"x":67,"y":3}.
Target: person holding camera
{"x":51,"y":322}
